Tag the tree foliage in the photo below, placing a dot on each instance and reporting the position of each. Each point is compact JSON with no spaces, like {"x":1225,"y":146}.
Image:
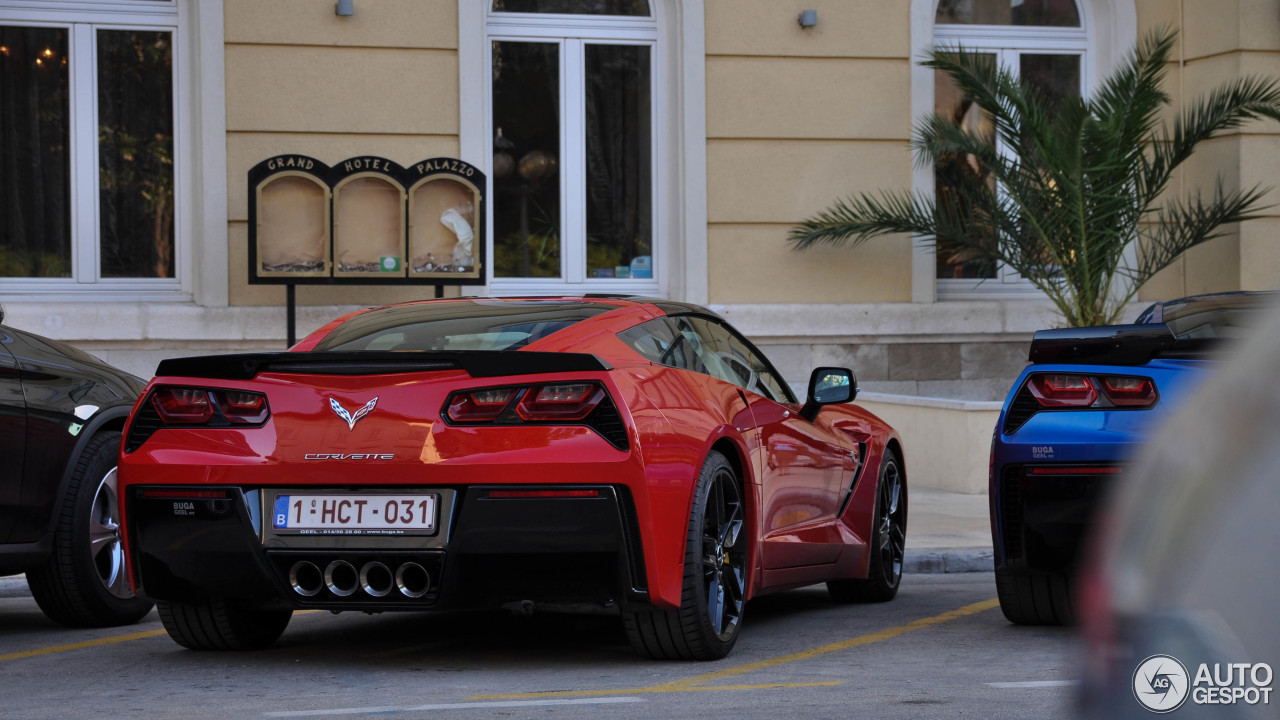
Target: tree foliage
{"x":1077,"y":181}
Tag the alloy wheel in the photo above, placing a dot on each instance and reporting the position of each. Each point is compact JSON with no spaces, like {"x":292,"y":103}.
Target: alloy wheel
{"x":892,"y":531}
{"x":104,"y":538}
{"x":724,"y":554}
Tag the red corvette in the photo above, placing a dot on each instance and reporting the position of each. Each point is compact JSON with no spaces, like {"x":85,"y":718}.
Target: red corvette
{"x":632,"y":454}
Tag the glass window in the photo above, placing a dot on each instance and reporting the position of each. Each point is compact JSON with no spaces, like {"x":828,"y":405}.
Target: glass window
{"x":573,"y":146}
{"x":135,"y":153}
{"x":1048,"y":52}
{"x":526,"y":155}
{"x":107,"y":91}
{"x":35,"y":144}
{"x":463,"y":325}
{"x":707,"y":347}
{"x":619,"y":184}
{"x":1048,"y":13}
{"x":658,"y":341}
{"x":958,"y":170}
{"x":639,"y":8}
{"x":731,"y":358}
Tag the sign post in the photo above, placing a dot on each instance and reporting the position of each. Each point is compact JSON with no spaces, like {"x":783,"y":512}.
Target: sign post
{"x":364,"y":221}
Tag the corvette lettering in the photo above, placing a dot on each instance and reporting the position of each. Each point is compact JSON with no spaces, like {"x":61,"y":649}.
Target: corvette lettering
{"x":349,"y":456}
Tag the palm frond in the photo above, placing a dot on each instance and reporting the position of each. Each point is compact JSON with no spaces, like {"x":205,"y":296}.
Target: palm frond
{"x":1184,"y":224}
{"x":1066,"y":185}
{"x":855,"y":220}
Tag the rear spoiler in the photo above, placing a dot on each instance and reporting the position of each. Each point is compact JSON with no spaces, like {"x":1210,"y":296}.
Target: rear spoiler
{"x":477,"y":363}
{"x":1102,"y":345}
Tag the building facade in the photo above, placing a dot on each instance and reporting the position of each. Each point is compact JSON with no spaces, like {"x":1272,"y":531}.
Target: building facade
{"x":657,"y":147}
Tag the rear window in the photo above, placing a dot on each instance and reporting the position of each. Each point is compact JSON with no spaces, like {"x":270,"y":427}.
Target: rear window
{"x":446,"y":326}
{"x":1216,"y":318}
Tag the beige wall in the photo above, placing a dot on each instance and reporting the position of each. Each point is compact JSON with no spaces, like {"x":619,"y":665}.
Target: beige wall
{"x":795,"y":119}
{"x":1222,"y":40}
{"x":300,"y":79}
{"x":947,"y":444}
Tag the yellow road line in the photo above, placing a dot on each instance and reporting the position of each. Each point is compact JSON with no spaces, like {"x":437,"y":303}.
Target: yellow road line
{"x":859,"y":641}
{"x":81,"y":645}
{"x":696,"y":682}
{"x":664,"y":688}
{"x":100,"y":642}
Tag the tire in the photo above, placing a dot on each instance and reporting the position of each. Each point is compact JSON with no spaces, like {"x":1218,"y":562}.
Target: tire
{"x":1035,"y":598}
{"x":713,"y":592}
{"x":222,"y":625}
{"x":83,"y":582}
{"x":888,"y":541}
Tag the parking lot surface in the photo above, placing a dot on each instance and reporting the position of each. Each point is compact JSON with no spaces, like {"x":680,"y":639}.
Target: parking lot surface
{"x":942,"y":649}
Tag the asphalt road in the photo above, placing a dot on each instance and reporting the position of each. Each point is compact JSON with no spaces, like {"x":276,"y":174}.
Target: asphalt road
{"x":941,"y":649}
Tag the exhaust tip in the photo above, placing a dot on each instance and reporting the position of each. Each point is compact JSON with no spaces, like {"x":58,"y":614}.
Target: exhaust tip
{"x":305,"y":578}
{"x":413,"y":580}
{"x":376,"y":579}
{"x":341,"y":578}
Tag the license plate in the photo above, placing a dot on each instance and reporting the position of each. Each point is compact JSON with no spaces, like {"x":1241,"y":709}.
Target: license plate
{"x":407,"y":514}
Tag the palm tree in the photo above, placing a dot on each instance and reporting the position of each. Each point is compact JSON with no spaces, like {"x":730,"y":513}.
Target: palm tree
{"x":1079,"y":181}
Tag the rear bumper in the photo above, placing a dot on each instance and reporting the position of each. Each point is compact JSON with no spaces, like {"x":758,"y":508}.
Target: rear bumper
{"x":485,"y":551}
{"x":1042,"y":513}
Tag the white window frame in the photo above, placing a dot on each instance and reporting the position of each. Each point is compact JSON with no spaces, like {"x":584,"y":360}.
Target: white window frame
{"x":1110,"y":28}
{"x":680,"y":184}
{"x":1008,"y":43}
{"x":82,"y":20}
{"x":572,"y":33}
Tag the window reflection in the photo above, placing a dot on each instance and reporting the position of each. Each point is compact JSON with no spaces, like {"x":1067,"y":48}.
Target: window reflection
{"x":35,"y":177}
{"x":959,"y":170}
{"x":135,"y":153}
{"x":1044,"y":13}
{"x":638,"y":8}
{"x":1056,"y":77}
{"x":619,"y":184}
{"x":526,"y":156}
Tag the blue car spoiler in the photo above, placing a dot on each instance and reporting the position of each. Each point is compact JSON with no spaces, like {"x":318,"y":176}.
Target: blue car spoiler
{"x":1106,"y":344}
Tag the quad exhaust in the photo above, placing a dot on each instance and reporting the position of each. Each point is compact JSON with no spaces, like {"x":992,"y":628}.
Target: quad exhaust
{"x":413,"y":580}
{"x":305,"y":579}
{"x":341,"y":578}
{"x":377,"y":579}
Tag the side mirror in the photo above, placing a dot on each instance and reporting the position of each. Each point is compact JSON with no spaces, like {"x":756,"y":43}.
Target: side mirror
{"x":829,"y":386}
{"x":1,"y":313}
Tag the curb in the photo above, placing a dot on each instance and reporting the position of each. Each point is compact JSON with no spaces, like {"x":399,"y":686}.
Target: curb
{"x":948,"y":560}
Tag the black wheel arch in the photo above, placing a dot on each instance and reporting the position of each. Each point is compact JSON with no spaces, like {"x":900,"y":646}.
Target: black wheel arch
{"x":112,"y":418}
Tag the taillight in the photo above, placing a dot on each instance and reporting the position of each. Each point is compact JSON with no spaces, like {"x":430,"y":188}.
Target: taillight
{"x":559,"y":402}
{"x":1060,"y":390}
{"x":1130,"y":391}
{"x":1049,"y":391}
{"x":584,"y":402}
{"x":243,"y":408}
{"x":201,"y":406}
{"x":479,"y":405}
{"x":183,"y":406}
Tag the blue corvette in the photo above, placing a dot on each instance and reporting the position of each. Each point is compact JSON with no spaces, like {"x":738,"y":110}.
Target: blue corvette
{"x":1072,"y":421}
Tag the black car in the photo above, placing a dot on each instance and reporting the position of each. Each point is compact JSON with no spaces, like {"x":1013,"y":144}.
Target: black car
{"x":61,"y":412}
